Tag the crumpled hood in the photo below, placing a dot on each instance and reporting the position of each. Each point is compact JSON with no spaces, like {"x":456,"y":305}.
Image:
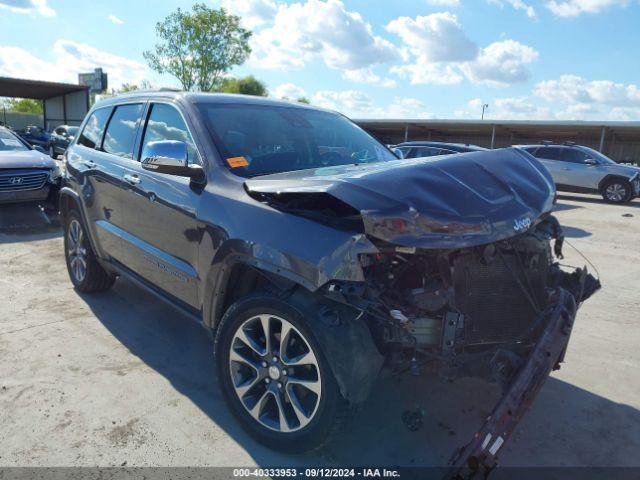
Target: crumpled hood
{"x":25,"y":159}
{"x":448,"y":202}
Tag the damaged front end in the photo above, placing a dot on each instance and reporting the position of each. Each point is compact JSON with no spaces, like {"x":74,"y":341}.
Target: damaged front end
{"x":502,"y":311}
{"x":463,"y":271}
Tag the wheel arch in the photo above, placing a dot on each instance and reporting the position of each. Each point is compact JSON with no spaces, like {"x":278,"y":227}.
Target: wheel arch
{"x":612,"y":176}
{"x":67,"y":200}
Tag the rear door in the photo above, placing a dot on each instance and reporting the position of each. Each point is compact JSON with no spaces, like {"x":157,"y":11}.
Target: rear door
{"x":97,"y":178}
{"x":162,"y":240}
{"x":550,"y":158}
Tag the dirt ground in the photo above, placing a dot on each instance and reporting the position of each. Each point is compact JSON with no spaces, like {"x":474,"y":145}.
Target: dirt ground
{"x":121,"y":377}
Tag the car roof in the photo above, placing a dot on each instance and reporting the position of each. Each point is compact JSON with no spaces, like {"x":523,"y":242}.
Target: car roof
{"x":421,"y":143}
{"x":212,"y":98}
{"x":547,"y":145}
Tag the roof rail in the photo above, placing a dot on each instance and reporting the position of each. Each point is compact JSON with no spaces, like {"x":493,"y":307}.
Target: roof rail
{"x":569,"y":143}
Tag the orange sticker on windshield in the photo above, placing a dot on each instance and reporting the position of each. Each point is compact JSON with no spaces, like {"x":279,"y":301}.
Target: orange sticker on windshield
{"x":237,"y":162}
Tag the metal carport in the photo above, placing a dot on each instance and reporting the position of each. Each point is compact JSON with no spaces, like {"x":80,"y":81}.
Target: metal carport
{"x":63,"y":103}
{"x":618,"y":140}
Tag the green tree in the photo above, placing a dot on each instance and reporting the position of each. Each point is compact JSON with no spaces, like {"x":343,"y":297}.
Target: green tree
{"x":303,"y":100}
{"x":23,"y":105}
{"x":198,"y":47}
{"x":247,"y":86}
{"x":131,"y":87}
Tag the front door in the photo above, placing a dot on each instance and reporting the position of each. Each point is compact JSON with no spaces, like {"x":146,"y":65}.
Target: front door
{"x":161,"y":212}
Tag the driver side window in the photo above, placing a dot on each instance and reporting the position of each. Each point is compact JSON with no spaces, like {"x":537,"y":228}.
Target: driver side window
{"x":165,"y":123}
{"x":574,"y":156}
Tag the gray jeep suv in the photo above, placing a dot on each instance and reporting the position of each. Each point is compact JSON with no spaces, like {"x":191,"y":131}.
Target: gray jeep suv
{"x":580,"y":169}
{"x":316,"y":257}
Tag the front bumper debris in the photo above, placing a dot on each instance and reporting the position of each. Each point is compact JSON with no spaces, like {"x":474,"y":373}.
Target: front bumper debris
{"x":479,"y":456}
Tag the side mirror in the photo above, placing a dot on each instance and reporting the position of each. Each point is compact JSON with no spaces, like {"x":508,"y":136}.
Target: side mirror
{"x":590,"y":161}
{"x":39,"y":149}
{"x":170,"y":157}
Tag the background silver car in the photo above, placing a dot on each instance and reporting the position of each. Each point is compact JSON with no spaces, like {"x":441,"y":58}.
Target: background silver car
{"x":580,"y":169}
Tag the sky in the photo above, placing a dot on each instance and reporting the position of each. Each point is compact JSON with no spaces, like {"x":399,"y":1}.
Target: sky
{"x":526,"y":59}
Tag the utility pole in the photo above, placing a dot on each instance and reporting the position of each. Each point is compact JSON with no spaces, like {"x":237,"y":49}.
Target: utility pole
{"x":484,"y":107}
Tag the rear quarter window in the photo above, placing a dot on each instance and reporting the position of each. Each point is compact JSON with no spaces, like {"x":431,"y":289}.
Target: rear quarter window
{"x":93,"y":130}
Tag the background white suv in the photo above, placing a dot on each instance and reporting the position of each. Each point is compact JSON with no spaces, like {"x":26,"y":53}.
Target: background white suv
{"x":580,"y":169}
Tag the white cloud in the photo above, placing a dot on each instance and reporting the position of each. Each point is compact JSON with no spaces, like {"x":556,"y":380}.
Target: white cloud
{"x":254,"y":13}
{"x":444,"y":3}
{"x":319,"y":30}
{"x":509,"y":108}
{"x":113,"y":19}
{"x":572,"y":89}
{"x":425,"y":73}
{"x":366,"y":75}
{"x":569,"y":97}
{"x":502,"y":63}
{"x":357,"y":104}
{"x":70,"y":58}
{"x":438,"y":37}
{"x":437,"y":51}
{"x":573,"y":8}
{"x":28,"y":6}
{"x":289,"y":91}
{"x":433,"y":46}
{"x":518,"y":5}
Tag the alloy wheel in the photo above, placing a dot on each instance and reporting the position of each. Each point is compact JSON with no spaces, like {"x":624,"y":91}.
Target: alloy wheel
{"x":616,"y":192}
{"x":275,"y":373}
{"x":76,"y":251}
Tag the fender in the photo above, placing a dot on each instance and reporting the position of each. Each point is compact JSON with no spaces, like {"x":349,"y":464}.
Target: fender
{"x":222,"y":266}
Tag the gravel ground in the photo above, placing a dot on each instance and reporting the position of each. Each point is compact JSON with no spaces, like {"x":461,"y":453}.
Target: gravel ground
{"x":122,"y":379}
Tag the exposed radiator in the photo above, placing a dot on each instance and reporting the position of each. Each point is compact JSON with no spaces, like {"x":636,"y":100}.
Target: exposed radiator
{"x":495,"y":307}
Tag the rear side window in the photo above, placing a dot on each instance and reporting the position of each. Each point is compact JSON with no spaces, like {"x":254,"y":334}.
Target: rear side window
{"x":166,"y":123}
{"x":548,"y":153}
{"x":427,"y":152}
{"x":94,"y":128}
{"x":121,"y":132}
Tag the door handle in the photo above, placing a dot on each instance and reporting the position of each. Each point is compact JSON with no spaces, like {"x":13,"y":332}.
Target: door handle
{"x":132,"y":179}
{"x":90,"y":164}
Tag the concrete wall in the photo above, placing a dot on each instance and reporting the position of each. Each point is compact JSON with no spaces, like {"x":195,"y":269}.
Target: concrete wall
{"x":18,"y":120}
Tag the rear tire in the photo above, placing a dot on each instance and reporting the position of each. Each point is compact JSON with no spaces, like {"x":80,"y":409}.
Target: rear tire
{"x":87,"y":275}
{"x":264,"y":383}
{"x":617,"y":191}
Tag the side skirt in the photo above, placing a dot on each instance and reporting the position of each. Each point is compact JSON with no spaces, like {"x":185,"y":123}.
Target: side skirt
{"x":187,"y":310}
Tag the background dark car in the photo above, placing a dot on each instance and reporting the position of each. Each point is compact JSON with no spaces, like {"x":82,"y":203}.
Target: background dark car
{"x":35,"y":135}
{"x":26,"y":174}
{"x":419,"y":149}
{"x":60,"y":139}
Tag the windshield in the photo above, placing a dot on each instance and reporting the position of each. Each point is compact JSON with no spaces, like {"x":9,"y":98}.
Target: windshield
{"x":599,"y":156}
{"x":259,"y":139}
{"x":9,"y":142}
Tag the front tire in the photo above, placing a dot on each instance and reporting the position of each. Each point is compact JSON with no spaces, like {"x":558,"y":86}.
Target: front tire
{"x":274,"y":376}
{"x":617,"y":191}
{"x":87,"y":275}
